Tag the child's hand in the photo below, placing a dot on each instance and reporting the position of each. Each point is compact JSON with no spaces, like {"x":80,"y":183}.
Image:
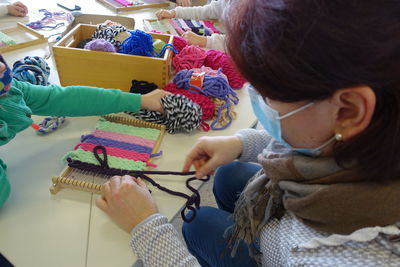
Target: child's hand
{"x":127,"y":201}
{"x":183,"y":2}
{"x":17,"y":9}
{"x":195,"y":39}
{"x":211,"y":152}
{"x":152,"y":100}
{"x":165,"y":14}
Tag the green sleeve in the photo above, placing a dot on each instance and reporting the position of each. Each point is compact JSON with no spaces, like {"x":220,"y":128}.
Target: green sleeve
{"x":54,"y":100}
{"x":4,"y":184}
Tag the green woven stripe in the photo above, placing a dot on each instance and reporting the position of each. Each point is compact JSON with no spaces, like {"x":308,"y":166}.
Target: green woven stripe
{"x":6,"y":39}
{"x":147,"y":133}
{"x":113,"y":162}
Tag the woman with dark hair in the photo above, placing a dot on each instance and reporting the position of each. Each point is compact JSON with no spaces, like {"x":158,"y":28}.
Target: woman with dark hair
{"x":326,"y":189}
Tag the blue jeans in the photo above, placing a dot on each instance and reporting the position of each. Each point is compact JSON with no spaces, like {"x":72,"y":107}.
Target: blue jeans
{"x":204,"y":235}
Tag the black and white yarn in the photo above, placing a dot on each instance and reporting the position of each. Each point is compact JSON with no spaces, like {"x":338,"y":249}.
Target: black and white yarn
{"x":180,"y":114}
{"x":109,"y":33}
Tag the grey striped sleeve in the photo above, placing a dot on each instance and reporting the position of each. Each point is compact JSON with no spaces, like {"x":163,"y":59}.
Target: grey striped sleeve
{"x":156,"y":243}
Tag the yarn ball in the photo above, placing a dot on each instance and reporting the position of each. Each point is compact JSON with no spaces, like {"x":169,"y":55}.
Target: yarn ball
{"x":83,"y":42}
{"x":100,"y":45}
{"x":218,"y":59}
{"x":142,"y":87}
{"x":139,"y":43}
{"x":108,"y":33}
{"x":158,"y":45}
{"x":206,"y":104}
{"x":190,"y":57}
{"x":179,"y":43}
{"x":34,"y":70}
{"x":180,"y":114}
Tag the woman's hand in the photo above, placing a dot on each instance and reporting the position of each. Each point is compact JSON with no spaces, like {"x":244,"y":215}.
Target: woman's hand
{"x":194,"y":39}
{"x":17,"y":9}
{"x":152,"y":100}
{"x":165,"y":14}
{"x":127,"y":201}
{"x":211,"y":152}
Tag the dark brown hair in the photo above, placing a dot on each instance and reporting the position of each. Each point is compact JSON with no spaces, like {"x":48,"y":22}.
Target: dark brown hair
{"x":293,"y":50}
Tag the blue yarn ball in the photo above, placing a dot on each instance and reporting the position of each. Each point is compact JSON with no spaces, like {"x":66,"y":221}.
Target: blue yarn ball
{"x":34,"y":70}
{"x":138,"y":43}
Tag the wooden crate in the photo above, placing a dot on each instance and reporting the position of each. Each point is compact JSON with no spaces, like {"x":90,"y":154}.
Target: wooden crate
{"x":107,"y":70}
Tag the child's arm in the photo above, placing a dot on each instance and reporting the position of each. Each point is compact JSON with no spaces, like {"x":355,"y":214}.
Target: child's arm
{"x":17,"y":9}
{"x":80,"y":100}
{"x":216,"y":41}
{"x":214,"y":10}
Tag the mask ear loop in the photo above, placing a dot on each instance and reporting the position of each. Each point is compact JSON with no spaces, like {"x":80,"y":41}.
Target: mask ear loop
{"x":294,"y":111}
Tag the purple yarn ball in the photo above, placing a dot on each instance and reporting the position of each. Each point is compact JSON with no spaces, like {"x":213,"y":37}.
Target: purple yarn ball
{"x":100,"y":45}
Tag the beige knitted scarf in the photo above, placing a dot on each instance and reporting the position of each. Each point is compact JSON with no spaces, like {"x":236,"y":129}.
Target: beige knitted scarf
{"x":317,"y":192}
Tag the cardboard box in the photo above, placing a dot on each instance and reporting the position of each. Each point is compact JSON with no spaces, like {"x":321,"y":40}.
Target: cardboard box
{"x":107,"y":70}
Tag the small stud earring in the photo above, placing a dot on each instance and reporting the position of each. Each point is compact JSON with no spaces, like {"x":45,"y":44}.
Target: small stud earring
{"x":338,"y":137}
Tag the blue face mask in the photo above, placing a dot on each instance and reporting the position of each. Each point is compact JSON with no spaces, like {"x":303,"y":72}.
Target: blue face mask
{"x":271,"y":121}
{"x":5,"y":78}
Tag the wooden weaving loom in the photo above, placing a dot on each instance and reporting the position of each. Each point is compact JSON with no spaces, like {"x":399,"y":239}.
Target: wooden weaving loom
{"x":90,"y":181}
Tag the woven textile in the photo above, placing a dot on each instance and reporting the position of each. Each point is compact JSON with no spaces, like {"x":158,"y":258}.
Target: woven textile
{"x":127,"y":147}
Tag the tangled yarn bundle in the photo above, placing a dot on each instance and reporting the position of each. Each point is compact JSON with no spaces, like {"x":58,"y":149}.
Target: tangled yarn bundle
{"x":225,"y":117}
{"x":218,"y":59}
{"x":138,"y":43}
{"x":189,"y":57}
{"x":216,"y":87}
{"x":180,"y":114}
{"x":179,"y":43}
{"x":142,"y":87}
{"x":100,"y":45}
{"x":109,"y":33}
{"x":50,"y":124}
{"x":34,"y":70}
{"x":206,"y":104}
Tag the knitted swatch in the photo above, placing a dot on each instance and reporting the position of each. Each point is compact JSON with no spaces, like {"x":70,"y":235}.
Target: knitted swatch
{"x":128,"y":147}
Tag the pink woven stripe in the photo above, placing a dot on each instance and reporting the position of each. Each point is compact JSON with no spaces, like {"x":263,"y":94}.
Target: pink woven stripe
{"x":176,"y":26}
{"x":123,"y":2}
{"x":210,"y":25}
{"x":124,"y":138}
{"x":118,"y":152}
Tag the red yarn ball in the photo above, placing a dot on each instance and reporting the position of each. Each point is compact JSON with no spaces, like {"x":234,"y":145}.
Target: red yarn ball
{"x":189,"y":58}
{"x":206,"y":104}
{"x":217,"y":59}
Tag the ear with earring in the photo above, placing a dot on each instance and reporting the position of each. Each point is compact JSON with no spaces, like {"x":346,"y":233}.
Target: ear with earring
{"x":338,"y":137}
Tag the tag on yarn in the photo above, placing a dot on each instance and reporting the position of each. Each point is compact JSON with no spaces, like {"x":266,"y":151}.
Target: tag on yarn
{"x":197,"y":80}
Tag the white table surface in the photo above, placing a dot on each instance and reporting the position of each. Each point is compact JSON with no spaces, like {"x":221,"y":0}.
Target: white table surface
{"x":67,"y":229}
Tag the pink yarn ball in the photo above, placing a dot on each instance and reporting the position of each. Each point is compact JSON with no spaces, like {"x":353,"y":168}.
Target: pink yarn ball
{"x":189,"y":58}
{"x":179,"y":43}
{"x":218,"y":59}
{"x":100,"y":45}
